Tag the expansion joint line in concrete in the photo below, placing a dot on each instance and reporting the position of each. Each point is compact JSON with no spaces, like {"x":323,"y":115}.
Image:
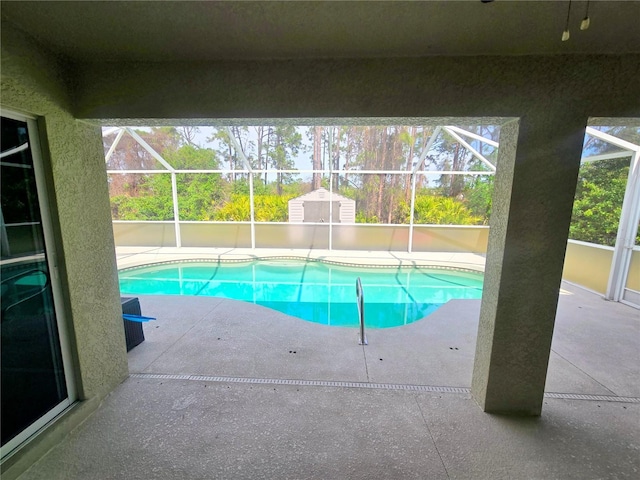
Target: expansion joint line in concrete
{"x":433,"y":440}
{"x":366,"y":385}
{"x":185,"y":333}
{"x":585,"y":373}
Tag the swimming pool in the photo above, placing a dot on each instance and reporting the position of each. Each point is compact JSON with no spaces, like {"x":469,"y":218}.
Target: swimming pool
{"x":312,"y":290}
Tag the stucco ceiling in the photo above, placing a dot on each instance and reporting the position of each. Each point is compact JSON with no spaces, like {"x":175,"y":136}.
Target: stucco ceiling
{"x":213,"y":30}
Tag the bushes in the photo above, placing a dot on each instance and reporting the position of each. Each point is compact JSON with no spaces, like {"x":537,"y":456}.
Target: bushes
{"x":598,"y":203}
{"x":267,"y":208}
{"x":433,"y":210}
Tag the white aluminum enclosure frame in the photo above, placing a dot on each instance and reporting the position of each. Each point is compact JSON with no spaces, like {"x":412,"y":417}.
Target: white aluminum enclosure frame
{"x":163,"y":162}
{"x":454,"y":132}
{"x":629,"y":218}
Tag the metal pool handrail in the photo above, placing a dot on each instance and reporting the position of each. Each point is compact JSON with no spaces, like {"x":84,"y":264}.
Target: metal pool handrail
{"x":360,"y":300}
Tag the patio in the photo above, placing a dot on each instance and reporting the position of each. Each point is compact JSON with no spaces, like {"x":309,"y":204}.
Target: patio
{"x":226,"y":389}
{"x":65,"y":74}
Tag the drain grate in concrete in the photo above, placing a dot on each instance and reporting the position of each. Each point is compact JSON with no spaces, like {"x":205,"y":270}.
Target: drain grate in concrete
{"x":598,"y":398}
{"x":377,"y":386}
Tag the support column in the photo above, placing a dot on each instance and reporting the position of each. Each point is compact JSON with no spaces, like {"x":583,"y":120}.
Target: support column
{"x":535,"y":184}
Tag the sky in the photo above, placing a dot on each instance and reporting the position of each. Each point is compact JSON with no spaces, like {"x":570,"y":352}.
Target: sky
{"x":302,"y":160}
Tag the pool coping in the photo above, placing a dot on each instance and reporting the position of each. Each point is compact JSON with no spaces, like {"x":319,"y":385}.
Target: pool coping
{"x":304,"y":259}
{"x":131,"y":257}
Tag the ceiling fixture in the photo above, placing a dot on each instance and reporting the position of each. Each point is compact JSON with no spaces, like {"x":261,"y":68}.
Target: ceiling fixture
{"x":565,"y":33}
{"x":586,"y":21}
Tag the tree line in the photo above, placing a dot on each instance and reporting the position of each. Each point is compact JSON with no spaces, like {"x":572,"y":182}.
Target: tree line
{"x":381,"y":196}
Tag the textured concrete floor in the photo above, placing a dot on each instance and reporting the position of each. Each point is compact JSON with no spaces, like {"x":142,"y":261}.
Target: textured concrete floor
{"x":218,"y":392}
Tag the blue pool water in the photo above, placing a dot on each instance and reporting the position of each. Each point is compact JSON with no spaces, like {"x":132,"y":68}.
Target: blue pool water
{"x":314,"y":291}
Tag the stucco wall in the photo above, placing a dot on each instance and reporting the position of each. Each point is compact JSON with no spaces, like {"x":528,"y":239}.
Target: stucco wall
{"x":426,"y":238}
{"x":588,"y":265}
{"x":74,"y":164}
{"x":633,"y":280}
{"x":412,"y":87}
{"x":136,"y":234}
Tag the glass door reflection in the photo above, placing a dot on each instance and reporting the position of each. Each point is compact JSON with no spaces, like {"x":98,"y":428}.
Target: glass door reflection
{"x":33,"y":381}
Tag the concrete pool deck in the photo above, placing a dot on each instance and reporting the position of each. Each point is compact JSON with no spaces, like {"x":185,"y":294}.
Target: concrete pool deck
{"x":226,"y":389}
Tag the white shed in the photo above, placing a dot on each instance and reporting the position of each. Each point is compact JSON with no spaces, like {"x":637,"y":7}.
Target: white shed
{"x":314,"y":207}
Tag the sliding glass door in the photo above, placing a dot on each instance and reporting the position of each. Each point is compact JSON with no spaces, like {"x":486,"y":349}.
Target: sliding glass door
{"x":35,"y":386}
